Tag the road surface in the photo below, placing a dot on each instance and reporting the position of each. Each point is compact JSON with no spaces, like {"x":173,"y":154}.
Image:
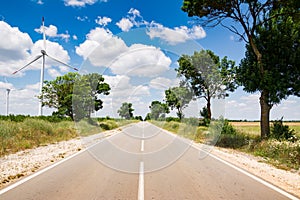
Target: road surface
{"x":143,"y":162}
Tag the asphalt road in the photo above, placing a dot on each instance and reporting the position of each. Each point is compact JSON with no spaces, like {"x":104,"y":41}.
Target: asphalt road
{"x":143,"y":162}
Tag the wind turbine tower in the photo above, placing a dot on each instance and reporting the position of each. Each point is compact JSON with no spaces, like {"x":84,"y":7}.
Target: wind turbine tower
{"x":7,"y":101}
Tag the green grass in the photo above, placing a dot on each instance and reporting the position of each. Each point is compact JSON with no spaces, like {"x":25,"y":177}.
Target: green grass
{"x":33,"y":132}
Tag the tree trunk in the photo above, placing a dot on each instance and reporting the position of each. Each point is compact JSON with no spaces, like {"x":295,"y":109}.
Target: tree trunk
{"x":208,"y":108}
{"x":264,"y":115}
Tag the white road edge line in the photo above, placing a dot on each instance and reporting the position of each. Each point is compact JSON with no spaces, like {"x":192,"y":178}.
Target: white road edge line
{"x":142,"y":145}
{"x":20,"y":182}
{"x":256,"y":178}
{"x":141,"y":182}
{"x":271,"y":186}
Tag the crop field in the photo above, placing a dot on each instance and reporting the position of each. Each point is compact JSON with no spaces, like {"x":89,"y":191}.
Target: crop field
{"x":253,"y":128}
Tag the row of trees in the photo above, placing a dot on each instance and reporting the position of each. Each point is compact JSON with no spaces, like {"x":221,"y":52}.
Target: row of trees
{"x":270,"y":29}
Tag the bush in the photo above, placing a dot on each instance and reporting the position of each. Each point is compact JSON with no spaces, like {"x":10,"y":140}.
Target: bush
{"x":172,"y":119}
{"x":225,"y":135}
{"x":282,"y":132}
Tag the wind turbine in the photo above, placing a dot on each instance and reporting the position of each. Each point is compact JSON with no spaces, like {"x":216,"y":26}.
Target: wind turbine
{"x":43,"y":55}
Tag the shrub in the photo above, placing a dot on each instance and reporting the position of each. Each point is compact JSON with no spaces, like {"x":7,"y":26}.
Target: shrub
{"x":282,"y":132}
{"x":225,"y":135}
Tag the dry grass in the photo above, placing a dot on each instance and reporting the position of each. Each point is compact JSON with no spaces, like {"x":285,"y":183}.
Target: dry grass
{"x":253,"y":128}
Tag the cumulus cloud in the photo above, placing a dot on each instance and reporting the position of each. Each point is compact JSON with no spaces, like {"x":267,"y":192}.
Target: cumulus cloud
{"x":172,"y":36}
{"x":81,"y":3}
{"x":123,"y":91}
{"x":52,"y":31}
{"x":162,"y":83}
{"x":4,"y":85}
{"x":103,"y":21}
{"x":133,"y":18}
{"x":175,"y":35}
{"x":54,"y":73}
{"x":93,"y":40}
{"x":14,"y":44}
{"x":103,"y":49}
{"x":53,"y":49}
{"x":125,"y":24}
{"x":141,"y":60}
{"x":14,"y":49}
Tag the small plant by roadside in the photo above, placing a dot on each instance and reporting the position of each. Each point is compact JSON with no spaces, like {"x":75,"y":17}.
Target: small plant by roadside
{"x":281,"y":132}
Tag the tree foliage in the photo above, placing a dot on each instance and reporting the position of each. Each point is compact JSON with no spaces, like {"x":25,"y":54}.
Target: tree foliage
{"x":126,"y":110}
{"x":279,"y":42}
{"x":75,"y":95}
{"x":157,"y":110}
{"x":178,"y":98}
{"x":207,"y":75}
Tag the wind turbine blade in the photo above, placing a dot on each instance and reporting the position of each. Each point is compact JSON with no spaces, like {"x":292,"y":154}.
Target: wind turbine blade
{"x":38,"y":57}
{"x":62,"y":62}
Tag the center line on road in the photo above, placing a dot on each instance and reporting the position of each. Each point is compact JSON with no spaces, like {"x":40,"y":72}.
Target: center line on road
{"x":141,"y":182}
{"x":142,"y":145}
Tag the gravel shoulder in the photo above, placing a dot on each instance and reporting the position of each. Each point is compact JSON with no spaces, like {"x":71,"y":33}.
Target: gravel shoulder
{"x":15,"y":166}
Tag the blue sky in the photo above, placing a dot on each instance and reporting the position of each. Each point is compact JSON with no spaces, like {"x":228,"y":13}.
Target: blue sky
{"x":101,"y":36}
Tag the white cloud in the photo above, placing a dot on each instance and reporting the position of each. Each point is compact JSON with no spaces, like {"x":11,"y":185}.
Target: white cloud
{"x":35,"y":86}
{"x":81,"y":3}
{"x":141,"y":60}
{"x":52,"y":31}
{"x":125,"y":24}
{"x":133,"y":18}
{"x":40,"y":2}
{"x":82,"y":19}
{"x":162,"y":83}
{"x":75,"y":37}
{"x":14,"y":44}
{"x":54,"y":50}
{"x":105,"y":50}
{"x":175,"y":35}
{"x":54,"y":73}
{"x":14,"y":48}
{"x":123,"y":91}
{"x":103,"y":21}
{"x":4,"y":85}
{"x":93,"y":39}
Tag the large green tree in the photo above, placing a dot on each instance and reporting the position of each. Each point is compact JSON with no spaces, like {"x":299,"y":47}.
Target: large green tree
{"x":178,"y":98}
{"x":279,"y":42}
{"x":207,"y":75}
{"x":126,"y":110}
{"x":157,"y":110}
{"x":75,"y":95}
{"x":246,"y":18}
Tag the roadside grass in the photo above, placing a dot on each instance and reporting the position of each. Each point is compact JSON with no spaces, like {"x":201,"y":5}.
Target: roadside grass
{"x":32,"y":132}
{"x":244,"y":137}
